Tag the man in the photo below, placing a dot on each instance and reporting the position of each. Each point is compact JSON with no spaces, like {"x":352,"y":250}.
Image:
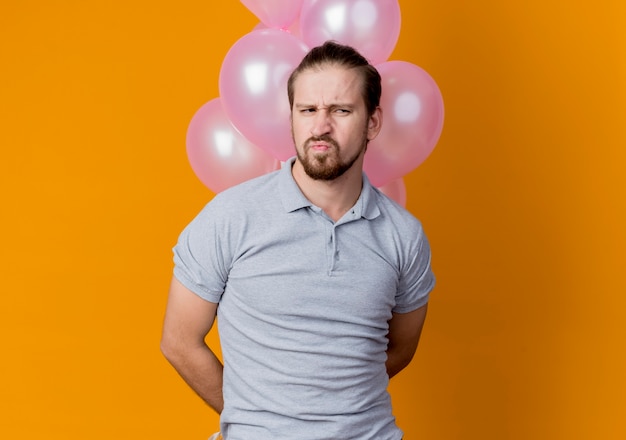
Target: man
{"x":322,"y":281}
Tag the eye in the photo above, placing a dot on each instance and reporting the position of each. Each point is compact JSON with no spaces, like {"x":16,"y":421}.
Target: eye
{"x":342,"y":111}
{"x":307,"y":110}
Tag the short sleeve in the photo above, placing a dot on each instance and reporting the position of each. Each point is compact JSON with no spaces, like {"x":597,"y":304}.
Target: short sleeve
{"x":416,"y":279}
{"x":200,"y":256}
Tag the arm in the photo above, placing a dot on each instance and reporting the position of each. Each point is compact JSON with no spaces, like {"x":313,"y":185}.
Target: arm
{"x":188,"y":319}
{"x":404,"y":334}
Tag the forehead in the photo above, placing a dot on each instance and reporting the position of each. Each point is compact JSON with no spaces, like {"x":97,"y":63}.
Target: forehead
{"x":328,"y":83}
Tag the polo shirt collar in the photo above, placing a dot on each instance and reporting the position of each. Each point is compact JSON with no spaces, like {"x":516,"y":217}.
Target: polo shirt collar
{"x":293,"y":199}
{"x":367,"y":202}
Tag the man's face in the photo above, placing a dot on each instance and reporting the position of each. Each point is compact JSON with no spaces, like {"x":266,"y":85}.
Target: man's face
{"x":329,"y":121}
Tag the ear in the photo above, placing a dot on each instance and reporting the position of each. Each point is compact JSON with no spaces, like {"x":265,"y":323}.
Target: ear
{"x":374,"y":124}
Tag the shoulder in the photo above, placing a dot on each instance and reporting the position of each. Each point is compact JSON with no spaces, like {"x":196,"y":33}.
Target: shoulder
{"x":395,"y":215}
{"x":237,"y":204}
{"x":248,"y":194}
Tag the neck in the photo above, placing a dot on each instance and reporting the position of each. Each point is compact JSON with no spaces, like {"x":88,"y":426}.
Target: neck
{"x":335,"y":197}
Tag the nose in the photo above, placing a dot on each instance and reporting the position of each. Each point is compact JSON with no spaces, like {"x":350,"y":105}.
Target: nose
{"x":321,"y":123}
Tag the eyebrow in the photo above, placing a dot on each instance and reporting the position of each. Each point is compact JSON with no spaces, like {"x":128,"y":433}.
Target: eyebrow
{"x":336,"y":105}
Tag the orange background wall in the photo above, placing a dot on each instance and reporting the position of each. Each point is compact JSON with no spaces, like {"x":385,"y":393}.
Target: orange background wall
{"x":523,"y":200}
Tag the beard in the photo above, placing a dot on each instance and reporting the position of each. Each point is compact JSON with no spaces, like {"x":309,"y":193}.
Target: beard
{"x":327,"y":165}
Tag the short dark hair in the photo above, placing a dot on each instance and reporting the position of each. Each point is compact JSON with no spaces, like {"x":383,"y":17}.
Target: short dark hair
{"x":333,"y":53}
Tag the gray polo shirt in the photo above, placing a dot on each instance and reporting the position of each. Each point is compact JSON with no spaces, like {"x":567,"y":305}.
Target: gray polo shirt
{"x":303,"y":306}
